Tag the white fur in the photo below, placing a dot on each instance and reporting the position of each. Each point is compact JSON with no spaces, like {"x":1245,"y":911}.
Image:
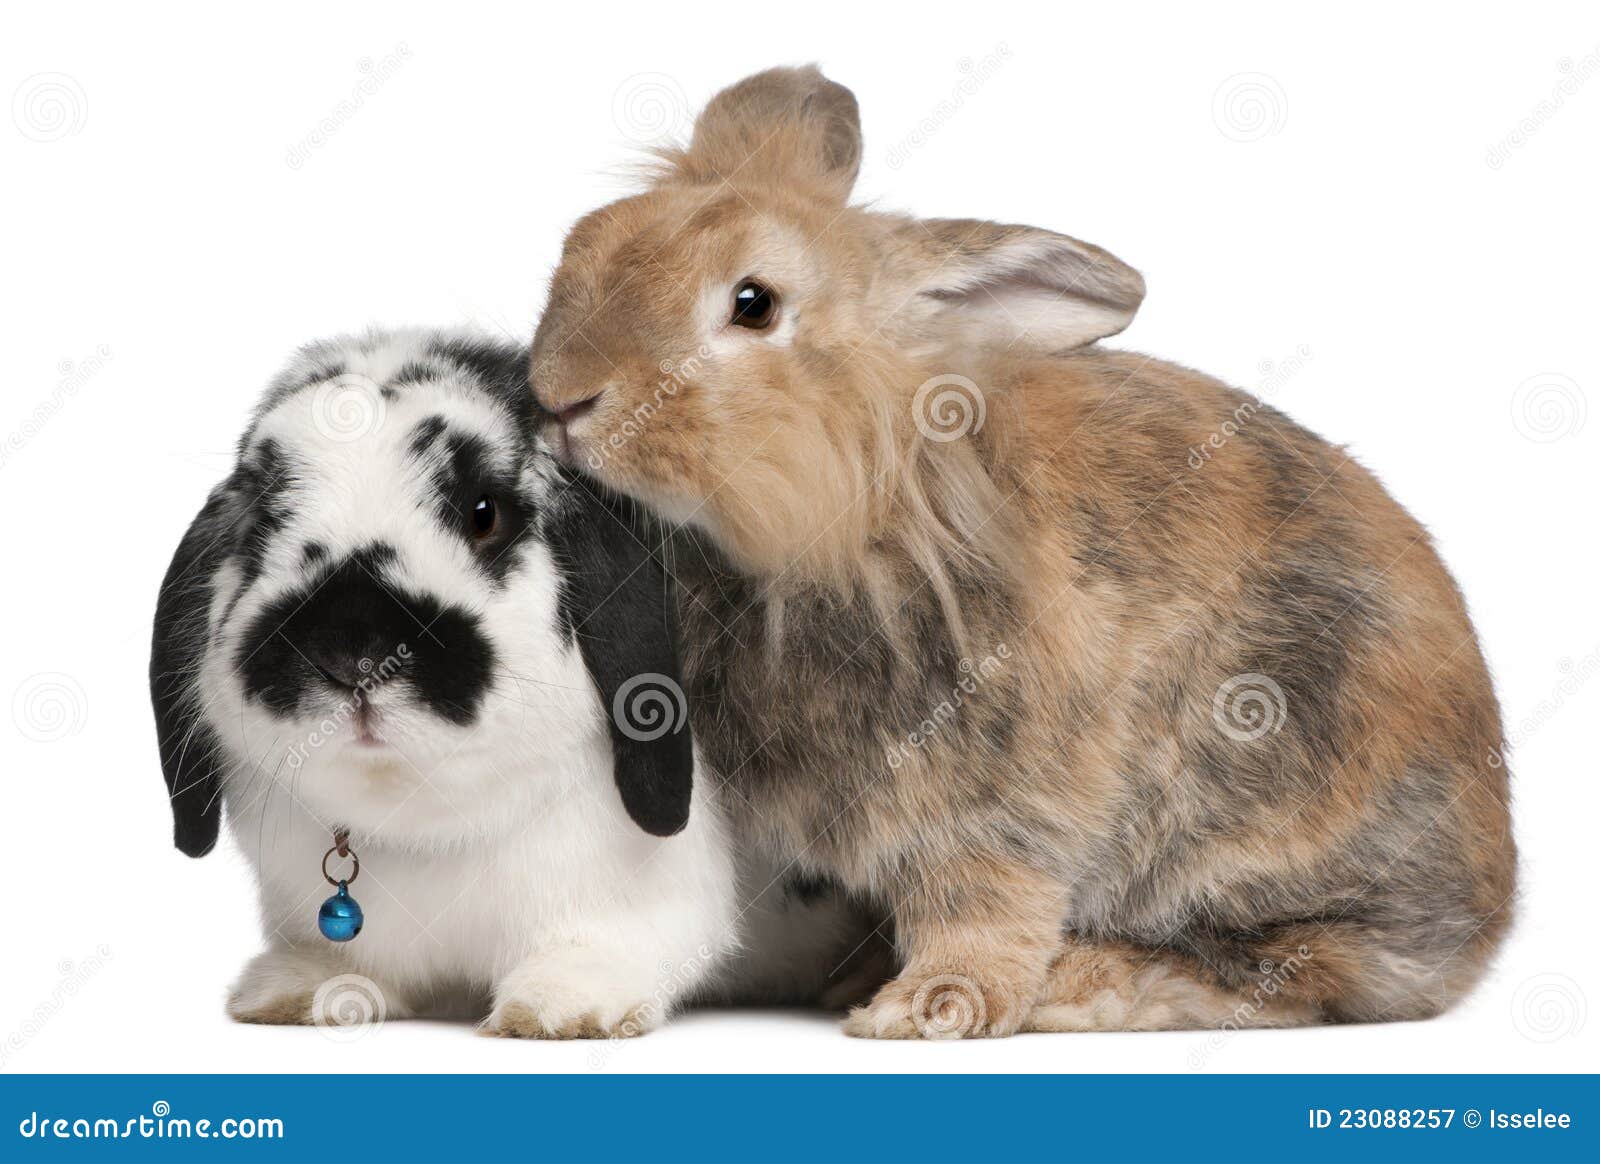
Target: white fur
{"x":498,"y":866}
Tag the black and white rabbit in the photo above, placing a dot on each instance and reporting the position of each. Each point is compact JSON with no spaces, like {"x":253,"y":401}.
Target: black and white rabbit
{"x":399,"y":617}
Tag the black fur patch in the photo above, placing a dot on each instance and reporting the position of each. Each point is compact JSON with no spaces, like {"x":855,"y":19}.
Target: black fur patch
{"x":263,"y":483}
{"x":464,"y":472}
{"x":416,"y":372}
{"x":425,"y":434}
{"x":304,"y":650}
{"x":500,"y":369}
{"x":192,"y":758}
{"x":805,"y":889}
{"x":617,"y":603}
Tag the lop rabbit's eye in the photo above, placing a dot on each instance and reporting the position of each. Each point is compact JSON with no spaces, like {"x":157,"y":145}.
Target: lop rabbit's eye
{"x":754,"y":305}
{"x":485,"y":516}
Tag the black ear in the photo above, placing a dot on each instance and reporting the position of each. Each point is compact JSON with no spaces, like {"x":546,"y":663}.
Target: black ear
{"x":191,"y":754}
{"x":618,"y":602}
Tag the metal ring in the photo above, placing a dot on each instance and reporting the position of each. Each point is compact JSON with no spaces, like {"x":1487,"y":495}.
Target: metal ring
{"x":354,"y":873}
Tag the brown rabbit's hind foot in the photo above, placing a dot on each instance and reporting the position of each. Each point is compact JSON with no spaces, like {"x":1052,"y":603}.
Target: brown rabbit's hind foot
{"x":1116,"y":987}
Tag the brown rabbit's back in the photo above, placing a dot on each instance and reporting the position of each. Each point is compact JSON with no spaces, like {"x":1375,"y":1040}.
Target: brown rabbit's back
{"x":1226,"y":542}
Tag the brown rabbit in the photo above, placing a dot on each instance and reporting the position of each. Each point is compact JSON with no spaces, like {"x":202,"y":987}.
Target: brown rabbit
{"x":1118,"y":736}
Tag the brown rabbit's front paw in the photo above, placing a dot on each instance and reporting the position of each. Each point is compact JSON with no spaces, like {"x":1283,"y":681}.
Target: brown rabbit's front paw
{"x":946,"y":1005}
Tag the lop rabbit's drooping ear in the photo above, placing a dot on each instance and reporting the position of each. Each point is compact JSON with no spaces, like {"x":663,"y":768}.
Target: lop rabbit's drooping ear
{"x":617,"y":603}
{"x":191,"y":755}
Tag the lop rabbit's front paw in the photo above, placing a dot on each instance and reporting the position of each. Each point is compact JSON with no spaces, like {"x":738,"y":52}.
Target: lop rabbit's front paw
{"x":574,"y":997}
{"x":515,"y":1019}
{"x":289,"y":988}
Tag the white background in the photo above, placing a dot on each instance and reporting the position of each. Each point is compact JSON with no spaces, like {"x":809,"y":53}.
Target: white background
{"x":1401,"y":203}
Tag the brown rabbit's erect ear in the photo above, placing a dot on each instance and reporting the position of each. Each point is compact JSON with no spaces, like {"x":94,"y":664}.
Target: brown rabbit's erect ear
{"x":1015,"y":287}
{"x":792,"y":124}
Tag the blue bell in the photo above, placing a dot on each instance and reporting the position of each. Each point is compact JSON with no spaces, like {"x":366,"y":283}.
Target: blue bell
{"x":340,"y":918}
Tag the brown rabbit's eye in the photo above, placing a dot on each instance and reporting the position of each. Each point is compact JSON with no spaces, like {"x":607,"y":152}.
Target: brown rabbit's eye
{"x":484,"y":517}
{"x":754,"y":305}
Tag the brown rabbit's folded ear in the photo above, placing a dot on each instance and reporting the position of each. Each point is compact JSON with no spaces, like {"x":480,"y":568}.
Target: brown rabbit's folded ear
{"x":791,"y":124}
{"x":1015,"y":287}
